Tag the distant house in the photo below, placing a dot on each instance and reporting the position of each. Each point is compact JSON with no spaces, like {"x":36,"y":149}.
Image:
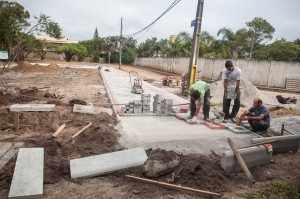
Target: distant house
{"x":61,"y":41}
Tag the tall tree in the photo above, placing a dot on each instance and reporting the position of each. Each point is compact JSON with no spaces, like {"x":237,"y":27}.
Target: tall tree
{"x":14,"y":25}
{"x":259,"y":30}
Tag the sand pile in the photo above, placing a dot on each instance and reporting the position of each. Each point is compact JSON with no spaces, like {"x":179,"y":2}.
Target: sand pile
{"x":248,"y":93}
{"x":27,"y":67}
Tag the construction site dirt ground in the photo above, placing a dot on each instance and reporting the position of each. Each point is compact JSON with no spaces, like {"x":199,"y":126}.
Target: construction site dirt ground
{"x":62,"y":85}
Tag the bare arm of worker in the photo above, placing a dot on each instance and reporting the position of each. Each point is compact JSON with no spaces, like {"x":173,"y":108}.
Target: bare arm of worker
{"x":225,"y":86}
{"x":260,"y":117}
{"x":241,"y":118}
{"x":198,"y":106}
{"x":237,"y":88}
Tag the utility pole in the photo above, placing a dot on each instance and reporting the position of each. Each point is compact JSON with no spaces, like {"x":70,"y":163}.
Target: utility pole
{"x":120,"y":47}
{"x":195,"y":45}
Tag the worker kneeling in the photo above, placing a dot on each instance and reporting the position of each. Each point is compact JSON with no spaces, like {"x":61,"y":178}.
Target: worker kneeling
{"x":258,"y":116}
{"x":200,"y":95}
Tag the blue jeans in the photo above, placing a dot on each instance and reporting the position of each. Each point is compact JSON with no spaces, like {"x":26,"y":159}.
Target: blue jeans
{"x":235,"y":108}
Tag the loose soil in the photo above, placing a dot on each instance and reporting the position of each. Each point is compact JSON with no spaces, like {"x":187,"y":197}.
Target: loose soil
{"x":60,"y":86}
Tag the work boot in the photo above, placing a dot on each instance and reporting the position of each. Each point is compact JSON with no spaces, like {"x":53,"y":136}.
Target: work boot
{"x":207,"y":119}
{"x":233,"y":119}
{"x":225,"y":120}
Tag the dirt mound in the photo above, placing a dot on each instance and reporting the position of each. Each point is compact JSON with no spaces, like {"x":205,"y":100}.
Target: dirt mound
{"x":100,"y":138}
{"x":27,"y":67}
{"x":77,"y":101}
{"x":23,"y":95}
{"x":248,"y":93}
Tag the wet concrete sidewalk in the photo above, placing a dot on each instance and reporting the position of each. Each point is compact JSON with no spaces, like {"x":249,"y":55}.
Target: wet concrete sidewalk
{"x":166,"y":132}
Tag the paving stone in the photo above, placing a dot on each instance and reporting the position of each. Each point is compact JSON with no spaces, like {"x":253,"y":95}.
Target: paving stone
{"x":91,"y":109}
{"x":4,"y":147}
{"x":285,"y":144}
{"x":106,"y":163}
{"x":28,"y":176}
{"x":253,"y":156}
{"x":32,"y":107}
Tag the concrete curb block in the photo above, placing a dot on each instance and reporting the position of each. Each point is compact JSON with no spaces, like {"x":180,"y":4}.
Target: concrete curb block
{"x":28,"y":175}
{"x":285,"y":144}
{"x":253,"y":156}
{"x":106,"y":163}
{"x":32,"y":107}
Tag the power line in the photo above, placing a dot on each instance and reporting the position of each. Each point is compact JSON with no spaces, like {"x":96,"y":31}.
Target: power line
{"x":148,"y":27}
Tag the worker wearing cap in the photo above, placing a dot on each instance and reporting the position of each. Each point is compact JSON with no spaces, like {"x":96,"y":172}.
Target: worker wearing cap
{"x":200,"y":95}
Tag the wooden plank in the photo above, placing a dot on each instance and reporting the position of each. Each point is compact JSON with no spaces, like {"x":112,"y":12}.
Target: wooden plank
{"x":241,"y":160}
{"x":59,"y":130}
{"x":87,"y":126}
{"x":17,"y":121}
{"x":201,"y":193}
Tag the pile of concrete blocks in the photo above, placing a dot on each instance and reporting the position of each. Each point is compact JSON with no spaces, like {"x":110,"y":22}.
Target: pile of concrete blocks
{"x":146,"y":98}
{"x":128,"y":108}
{"x":167,"y":106}
{"x":157,"y":104}
{"x":137,"y":106}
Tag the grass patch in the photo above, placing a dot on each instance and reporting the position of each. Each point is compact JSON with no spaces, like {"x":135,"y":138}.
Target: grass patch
{"x":276,"y":190}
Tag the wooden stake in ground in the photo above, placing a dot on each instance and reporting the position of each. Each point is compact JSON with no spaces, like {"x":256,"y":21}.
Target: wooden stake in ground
{"x":81,"y":130}
{"x":240,"y":160}
{"x":204,"y":194}
{"x":17,"y":121}
{"x":59,"y":130}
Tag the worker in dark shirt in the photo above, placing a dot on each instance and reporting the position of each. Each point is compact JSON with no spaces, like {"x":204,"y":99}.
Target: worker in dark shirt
{"x":258,"y":116}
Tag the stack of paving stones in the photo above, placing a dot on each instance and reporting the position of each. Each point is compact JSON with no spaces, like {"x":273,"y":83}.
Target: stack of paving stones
{"x":146,"y":98}
{"x":167,"y":106}
{"x":137,"y":106}
{"x":157,"y":104}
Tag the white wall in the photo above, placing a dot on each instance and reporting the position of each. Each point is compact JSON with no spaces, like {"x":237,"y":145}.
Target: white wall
{"x":261,"y":73}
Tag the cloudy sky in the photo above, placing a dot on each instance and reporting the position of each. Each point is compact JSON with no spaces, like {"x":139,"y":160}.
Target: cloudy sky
{"x":79,"y":18}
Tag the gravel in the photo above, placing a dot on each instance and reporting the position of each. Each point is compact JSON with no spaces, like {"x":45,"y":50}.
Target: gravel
{"x":248,"y":93}
{"x":291,"y":123}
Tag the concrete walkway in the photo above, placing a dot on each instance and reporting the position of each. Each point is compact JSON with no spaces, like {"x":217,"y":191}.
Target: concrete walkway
{"x":166,"y":132}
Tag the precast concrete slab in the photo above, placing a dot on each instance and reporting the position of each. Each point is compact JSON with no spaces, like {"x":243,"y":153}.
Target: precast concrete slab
{"x":284,"y":144}
{"x":106,"y":163}
{"x":253,"y":156}
{"x":8,"y":151}
{"x":91,"y":109}
{"x":28,"y":176}
{"x":32,"y":107}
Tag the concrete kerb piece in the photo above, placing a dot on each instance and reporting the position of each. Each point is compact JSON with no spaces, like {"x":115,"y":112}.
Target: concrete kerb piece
{"x":253,"y":156}
{"x":107,"y":163}
{"x":28,"y":176}
{"x":32,"y":107}
{"x":284,"y":144}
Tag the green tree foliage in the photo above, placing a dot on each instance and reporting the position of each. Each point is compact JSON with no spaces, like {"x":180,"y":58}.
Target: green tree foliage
{"x":280,"y":50}
{"x":259,"y":30}
{"x":14,"y":34}
{"x":69,"y":50}
{"x":41,"y":47}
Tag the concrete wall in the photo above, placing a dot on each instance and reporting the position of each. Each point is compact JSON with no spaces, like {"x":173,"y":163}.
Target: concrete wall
{"x":261,"y":73}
